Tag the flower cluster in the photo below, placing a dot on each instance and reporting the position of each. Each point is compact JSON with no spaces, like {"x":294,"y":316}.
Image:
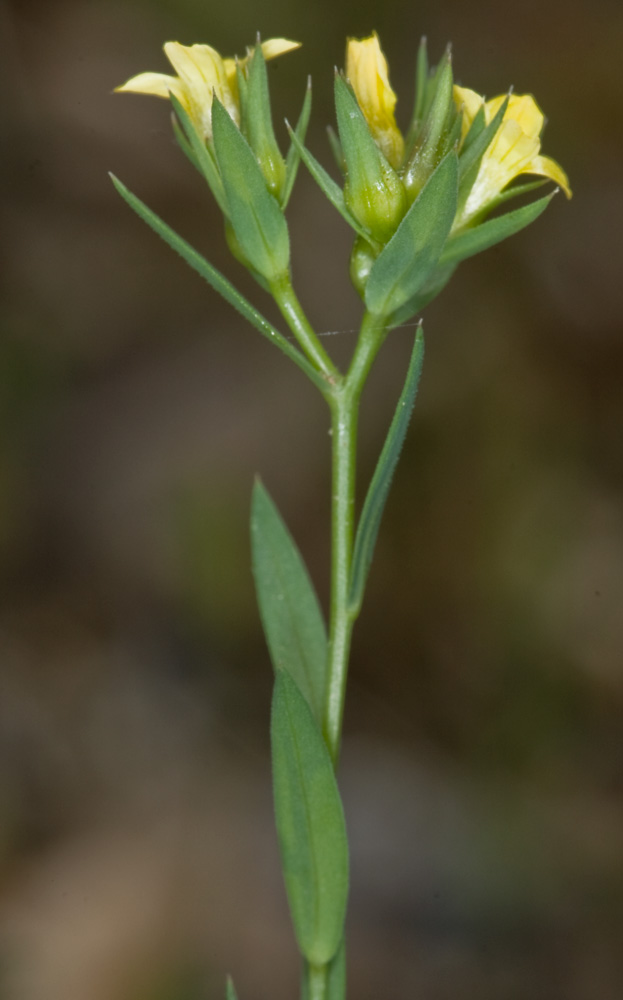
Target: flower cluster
{"x":419,"y":203}
{"x":447,"y":116}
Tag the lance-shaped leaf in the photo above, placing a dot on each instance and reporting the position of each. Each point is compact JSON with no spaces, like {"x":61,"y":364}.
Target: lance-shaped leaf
{"x":202,"y":155}
{"x":328,"y":186}
{"x":405,"y":263}
{"x":310,"y":824}
{"x":374,"y":504}
{"x":293,"y":157}
{"x":290,"y":612}
{"x":230,"y":993}
{"x":487,"y":234}
{"x":431,"y":288}
{"x":218,"y":282}
{"x":257,"y":219}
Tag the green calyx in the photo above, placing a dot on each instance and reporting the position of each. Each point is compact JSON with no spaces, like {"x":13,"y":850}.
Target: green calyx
{"x":436,"y":133}
{"x":373,"y":191}
{"x":257,"y":122}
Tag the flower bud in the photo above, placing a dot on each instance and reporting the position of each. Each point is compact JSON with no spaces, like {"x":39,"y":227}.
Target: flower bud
{"x":361,"y":260}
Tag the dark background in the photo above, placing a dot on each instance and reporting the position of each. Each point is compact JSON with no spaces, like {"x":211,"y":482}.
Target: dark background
{"x":482,"y":765}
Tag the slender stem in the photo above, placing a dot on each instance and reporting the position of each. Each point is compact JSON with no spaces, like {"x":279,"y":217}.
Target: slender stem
{"x":292,"y":311}
{"x":315,"y":987}
{"x":344,"y":412}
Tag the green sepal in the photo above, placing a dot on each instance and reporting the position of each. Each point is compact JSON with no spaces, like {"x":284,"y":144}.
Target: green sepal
{"x":230,"y":992}
{"x":406,"y":262}
{"x":257,"y":219}
{"x":509,"y":194}
{"x":473,"y":151}
{"x":430,"y":145}
{"x":421,"y":81}
{"x":259,"y":124}
{"x":183,"y":143}
{"x":487,"y":234}
{"x":293,"y":157}
{"x":453,"y":138}
{"x":474,"y":130}
{"x":218,"y":282}
{"x":289,"y":609}
{"x":329,"y":188}
{"x":241,"y":81}
{"x":310,"y":824}
{"x":373,"y":190}
{"x":336,"y":149}
{"x":374,"y":504}
{"x":204,"y":158}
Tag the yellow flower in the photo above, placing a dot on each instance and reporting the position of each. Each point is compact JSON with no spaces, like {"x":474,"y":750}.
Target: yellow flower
{"x":366,"y":68}
{"x":201,"y":73}
{"x":514,"y":150}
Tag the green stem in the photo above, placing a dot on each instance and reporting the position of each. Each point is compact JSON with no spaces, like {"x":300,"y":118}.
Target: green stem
{"x":344,"y":403}
{"x":292,"y":311}
{"x":315,"y":984}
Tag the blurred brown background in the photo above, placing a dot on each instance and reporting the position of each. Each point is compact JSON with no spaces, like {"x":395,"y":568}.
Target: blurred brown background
{"x":482,"y":766}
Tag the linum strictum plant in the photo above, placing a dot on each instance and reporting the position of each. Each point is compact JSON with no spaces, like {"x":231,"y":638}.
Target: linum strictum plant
{"x":418,"y":204}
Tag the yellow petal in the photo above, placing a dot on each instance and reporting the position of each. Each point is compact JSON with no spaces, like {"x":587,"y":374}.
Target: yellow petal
{"x":470,"y":102}
{"x":273,"y":47}
{"x":202,"y":74}
{"x":157,"y":84}
{"x":366,"y":68}
{"x":199,"y":67}
{"x":522,"y":108}
{"x":544,"y":166}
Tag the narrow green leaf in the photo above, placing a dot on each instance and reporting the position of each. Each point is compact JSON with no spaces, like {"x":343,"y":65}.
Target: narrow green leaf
{"x":374,"y":504}
{"x":310,"y":824}
{"x":290,"y":612}
{"x":255,"y":215}
{"x":218,"y":282}
{"x":328,"y":186}
{"x":487,"y":234}
{"x":293,"y":157}
{"x":434,"y":284}
{"x":207,"y":166}
{"x":230,"y":993}
{"x":408,"y":259}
